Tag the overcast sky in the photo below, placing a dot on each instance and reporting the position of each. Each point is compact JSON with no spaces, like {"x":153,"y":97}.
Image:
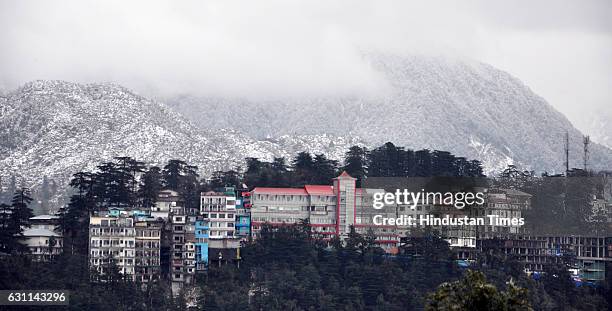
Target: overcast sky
{"x":561,"y":49}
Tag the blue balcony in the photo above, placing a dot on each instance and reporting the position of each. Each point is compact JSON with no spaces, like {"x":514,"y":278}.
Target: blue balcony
{"x":202,"y":253}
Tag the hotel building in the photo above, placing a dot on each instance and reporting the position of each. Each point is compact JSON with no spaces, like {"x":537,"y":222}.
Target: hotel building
{"x":331,"y":210}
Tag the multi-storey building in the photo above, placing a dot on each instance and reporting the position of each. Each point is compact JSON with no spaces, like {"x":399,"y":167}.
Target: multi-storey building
{"x":49,"y":222}
{"x":183,"y":258}
{"x":148,"y":249}
{"x":330,"y":210}
{"x":42,"y":238}
{"x":587,"y":255}
{"x":219,"y":212}
{"x":219,"y":208}
{"x":167,"y":201}
{"x":592,"y":255}
{"x":499,"y":202}
{"x":243,"y":215}
{"x":201,"y":243}
{"x":112,"y":240}
{"x":507,"y":203}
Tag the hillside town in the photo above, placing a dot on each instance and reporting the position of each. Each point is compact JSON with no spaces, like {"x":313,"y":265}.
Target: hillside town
{"x":170,"y":241}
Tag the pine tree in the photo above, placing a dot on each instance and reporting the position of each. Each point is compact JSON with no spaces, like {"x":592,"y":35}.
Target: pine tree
{"x":172,"y":173}
{"x":150,"y":186}
{"x":356,"y":163}
{"x":20,"y":203}
{"x":231,"y":178}
{"x":20,"y":214}
{"x":423,"y":163}
{"x":474,"y":293}
{"x":7,"y":229}
{"x":279,"y":174}
{"x":1,"y":190}
{"x":134,"y":168}
{"x":324,"y":169}
{"x":442,"y":163}
{"x":303,"y":168}
{"x":190,"y":188}
{"x":12,"y":187}
{"x":45,"y":195}
{"x":387,"y":160}
{"x":53,"y":188}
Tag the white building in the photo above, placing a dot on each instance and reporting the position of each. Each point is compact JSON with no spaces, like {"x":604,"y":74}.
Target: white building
{"x":112,"y":240}
{"x":219,"y":209}
{"x":43,"y":243}
{"x":167,"y":201}
{"x":42,"y":237}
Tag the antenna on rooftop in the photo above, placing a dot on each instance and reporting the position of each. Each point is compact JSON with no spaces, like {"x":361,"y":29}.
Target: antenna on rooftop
{"x":566,"y":153}
{"x":586,"y":141}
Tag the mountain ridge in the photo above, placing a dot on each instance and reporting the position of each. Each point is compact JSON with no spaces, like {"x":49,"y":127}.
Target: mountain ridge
{"x":55,"y":128}
{"x":467,"y":107}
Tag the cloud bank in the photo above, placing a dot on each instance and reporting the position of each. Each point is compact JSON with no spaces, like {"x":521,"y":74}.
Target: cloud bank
{"x":561,"y":49}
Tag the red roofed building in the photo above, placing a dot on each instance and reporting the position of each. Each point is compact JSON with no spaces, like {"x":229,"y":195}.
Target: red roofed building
{"x":330,"y":209}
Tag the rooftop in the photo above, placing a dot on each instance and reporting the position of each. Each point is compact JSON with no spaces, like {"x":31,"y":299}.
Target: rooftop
{"x":39,"y":232}
{"x":268,"y":190}
{"x":319,"y":190}
{"x":44,"y":217}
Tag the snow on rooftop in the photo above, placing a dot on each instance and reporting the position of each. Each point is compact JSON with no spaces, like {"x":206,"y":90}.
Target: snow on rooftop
{"x":39,"y":232}
{"x":44,"y":217}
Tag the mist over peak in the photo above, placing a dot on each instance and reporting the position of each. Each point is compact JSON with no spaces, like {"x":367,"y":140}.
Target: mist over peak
{"x":447,"y":103}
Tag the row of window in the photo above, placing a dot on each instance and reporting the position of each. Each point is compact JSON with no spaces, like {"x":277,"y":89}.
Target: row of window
{"x":220,"y":216}
{"x":107,"y":253}
{"x":214,"y":233}
{"x":112,"y":231}
{"x":112,"y":243}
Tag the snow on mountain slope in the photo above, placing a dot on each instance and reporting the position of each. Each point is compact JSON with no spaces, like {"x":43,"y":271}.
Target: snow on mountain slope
{"x":598,"y":126}
{"x":466,"y":107}
{"x":56,"y":128}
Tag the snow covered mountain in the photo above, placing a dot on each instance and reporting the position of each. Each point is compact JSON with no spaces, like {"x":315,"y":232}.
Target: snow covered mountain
{"x":55,"y":129}
{"x":598,"y":126}
{"x":463,"y":106}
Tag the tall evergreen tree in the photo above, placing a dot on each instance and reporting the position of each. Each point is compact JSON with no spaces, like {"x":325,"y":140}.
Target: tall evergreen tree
{"x":303,"y":168}
{"x":19,"y":218}
{"x":229,"y":178}
{"x":12,"y":187}
{"x":150,"y":186}
{"x":423,"y":163}
{"x":387,"y":160}
{"x":173,"y":172}
{"x":442,"y":163}
{"x":356,"y":163}
{"x":189,"y":188}
{"x":279,"y":172}
{"x":324,"y":169}
{"x":474,"y":293}
{"x":45,"y":195}
{"x":7,"y":229}
{"x":21,"y":210}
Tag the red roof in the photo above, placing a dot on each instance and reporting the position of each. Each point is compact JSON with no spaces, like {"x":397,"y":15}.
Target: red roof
{"x":345,"y":175}
{"x":266,"y":190}
{"x":319,"y":190}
